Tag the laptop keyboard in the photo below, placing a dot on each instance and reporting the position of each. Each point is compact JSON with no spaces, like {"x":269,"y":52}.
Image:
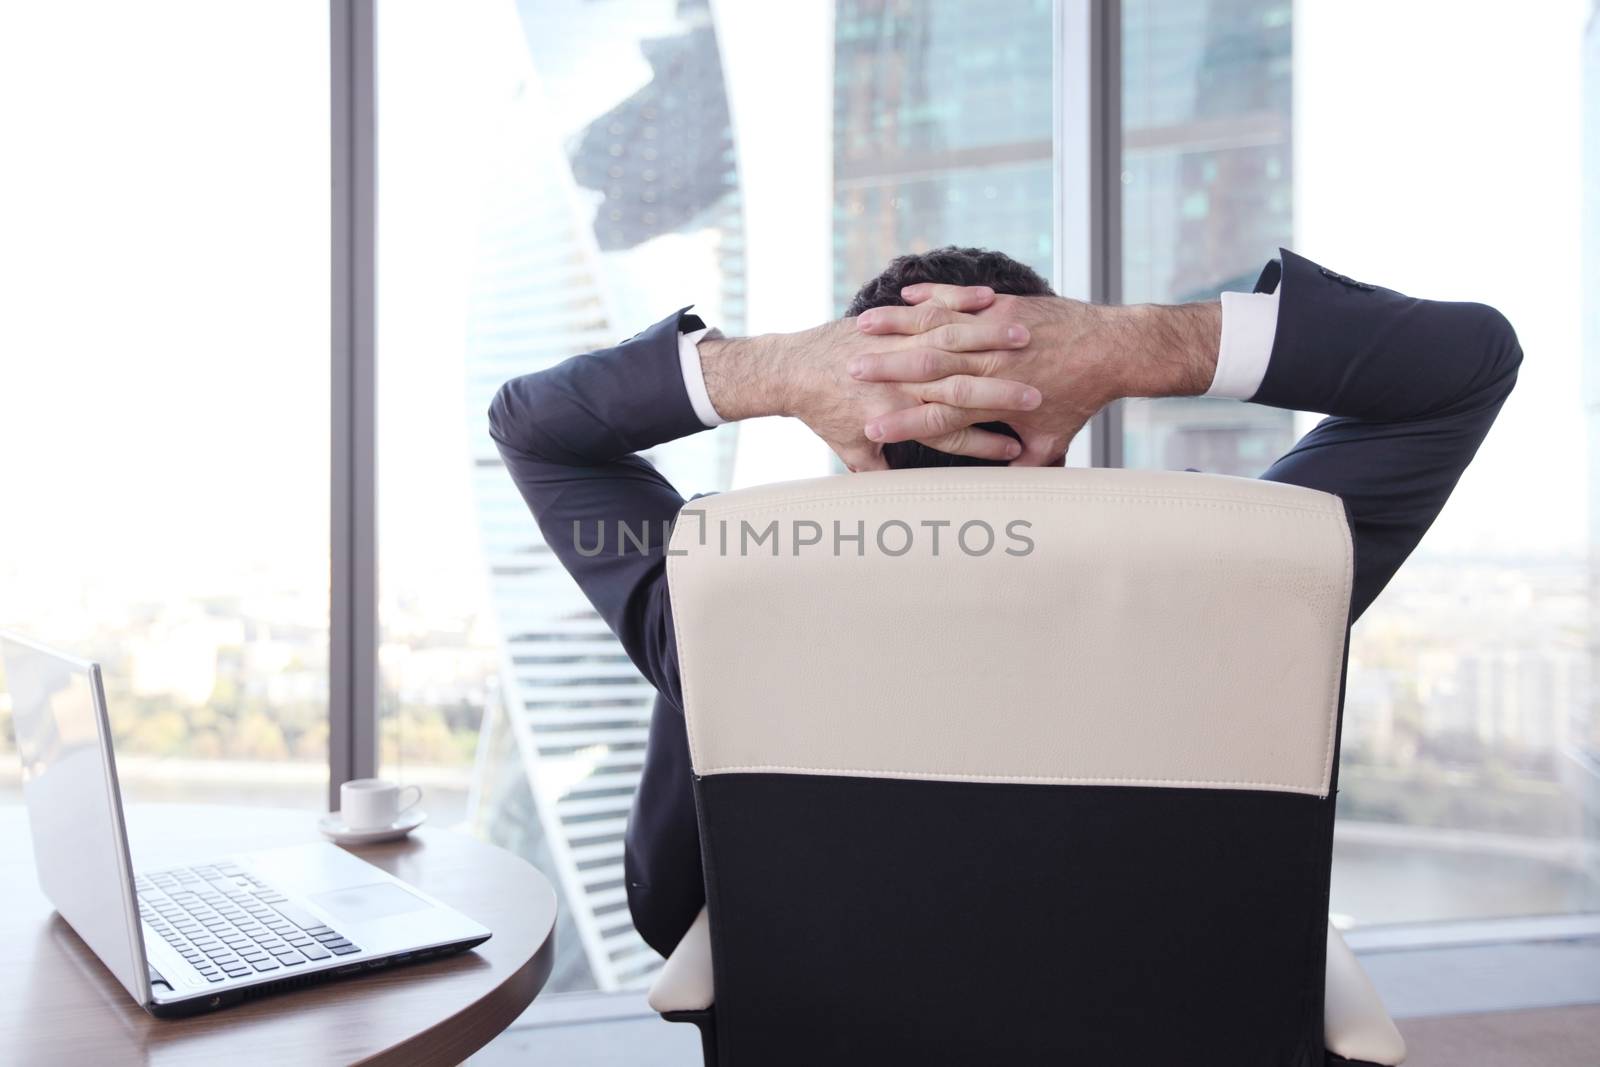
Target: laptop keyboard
{"x":228,"y":923}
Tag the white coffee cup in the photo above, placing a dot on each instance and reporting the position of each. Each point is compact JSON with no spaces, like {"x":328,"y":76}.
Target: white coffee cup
{"x":370,"y":803}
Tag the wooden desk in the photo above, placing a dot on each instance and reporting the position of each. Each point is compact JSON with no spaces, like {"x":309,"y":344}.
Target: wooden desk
{"x":59,"y":1005}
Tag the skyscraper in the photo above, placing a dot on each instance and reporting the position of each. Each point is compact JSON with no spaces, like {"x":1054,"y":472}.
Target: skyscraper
{"x":539,"y":298}
{"x":941,"y":133}
{"x":597,"y":189}
{"x":1206,"y":198}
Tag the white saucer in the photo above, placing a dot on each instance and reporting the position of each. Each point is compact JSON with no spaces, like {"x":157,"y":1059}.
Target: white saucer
{"x":335,"y":830}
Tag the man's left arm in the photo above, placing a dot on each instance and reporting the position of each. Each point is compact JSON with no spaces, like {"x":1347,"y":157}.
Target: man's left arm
{"x":569,"y":437}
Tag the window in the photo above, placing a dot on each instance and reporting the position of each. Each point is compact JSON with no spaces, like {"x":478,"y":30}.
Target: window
{"x":164,"y":397}
{"x":557,"y":177}
{"x":1470,"y":777}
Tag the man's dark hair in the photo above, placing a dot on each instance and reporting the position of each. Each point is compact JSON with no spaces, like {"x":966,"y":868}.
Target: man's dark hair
{"x":951,"y":266}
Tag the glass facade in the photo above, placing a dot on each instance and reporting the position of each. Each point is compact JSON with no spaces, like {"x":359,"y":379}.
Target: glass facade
{"x":1206,"y":199}
{"x":941,"y":133}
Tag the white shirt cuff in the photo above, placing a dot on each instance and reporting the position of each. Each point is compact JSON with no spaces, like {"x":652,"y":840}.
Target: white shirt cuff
{"x":1249,"y":325}
{"x":694,"y":379}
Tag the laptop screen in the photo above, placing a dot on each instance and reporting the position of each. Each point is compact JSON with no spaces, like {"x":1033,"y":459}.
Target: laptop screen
{"x":74,"y":811}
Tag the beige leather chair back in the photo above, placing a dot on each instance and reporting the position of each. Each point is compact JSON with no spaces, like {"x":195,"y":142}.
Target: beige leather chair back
{"x":1019,"y":625}
{"x":1026,"y":761}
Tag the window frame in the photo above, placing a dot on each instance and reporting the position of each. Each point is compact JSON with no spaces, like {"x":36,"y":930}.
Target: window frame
{"x":1087,"y":82}
{"x":353,"y":595}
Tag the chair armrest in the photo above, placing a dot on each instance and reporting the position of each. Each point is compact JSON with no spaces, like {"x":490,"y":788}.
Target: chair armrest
{"x":684,"y":982}
{"x":1355,"y":1023}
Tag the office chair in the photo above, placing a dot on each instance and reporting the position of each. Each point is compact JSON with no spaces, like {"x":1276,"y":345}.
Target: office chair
{"x":1016,"y":766}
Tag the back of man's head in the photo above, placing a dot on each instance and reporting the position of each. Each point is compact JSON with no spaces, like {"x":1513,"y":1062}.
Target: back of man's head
{"x":951,"y":266}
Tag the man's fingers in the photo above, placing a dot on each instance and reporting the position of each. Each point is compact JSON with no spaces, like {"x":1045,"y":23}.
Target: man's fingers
{"x":970,"y":335}
{"x":944,"y":329}
{"x":904,"y":320}
{"x":925,"y":365}
{"x":914,"y":365}
{"x":929,"y":364}
{"x":924,"y":422}
{"x":954,"y":297}
{"x":990,"y":394}
{"x":980,"y":444}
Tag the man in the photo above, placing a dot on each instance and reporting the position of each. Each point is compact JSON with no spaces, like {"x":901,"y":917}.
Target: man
{"x":943,"y":347}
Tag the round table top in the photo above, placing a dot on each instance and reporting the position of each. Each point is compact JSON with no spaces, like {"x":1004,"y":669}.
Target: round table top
{"x":59,"y":1004}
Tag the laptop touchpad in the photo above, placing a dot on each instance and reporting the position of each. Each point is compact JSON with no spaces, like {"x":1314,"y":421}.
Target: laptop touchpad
{"x":374,"y":901}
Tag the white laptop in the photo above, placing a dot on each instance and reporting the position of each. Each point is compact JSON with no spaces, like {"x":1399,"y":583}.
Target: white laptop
{"x":211,"y":934}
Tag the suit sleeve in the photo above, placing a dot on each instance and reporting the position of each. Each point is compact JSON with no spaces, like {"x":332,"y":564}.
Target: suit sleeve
{"x":1411,"y":388}
{"x":569,"y":436}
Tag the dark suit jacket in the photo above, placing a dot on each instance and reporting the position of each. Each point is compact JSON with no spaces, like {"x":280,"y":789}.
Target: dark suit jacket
{"x":1411,"y":387}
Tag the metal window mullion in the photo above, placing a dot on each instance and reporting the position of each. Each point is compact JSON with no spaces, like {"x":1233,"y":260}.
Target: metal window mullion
{"x":1088,"y":174}
{"x":353,"y":606}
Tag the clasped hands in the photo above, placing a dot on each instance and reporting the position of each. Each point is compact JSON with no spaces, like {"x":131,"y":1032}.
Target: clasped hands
{"x":968,"y":356}
{"x":958,"y":356}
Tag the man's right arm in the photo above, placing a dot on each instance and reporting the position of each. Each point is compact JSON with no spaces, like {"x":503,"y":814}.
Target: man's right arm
{"x":1411,"y":387}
